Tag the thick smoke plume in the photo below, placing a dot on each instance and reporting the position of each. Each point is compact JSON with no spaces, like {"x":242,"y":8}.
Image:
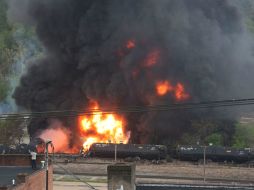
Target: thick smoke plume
{"x":99,"y":50}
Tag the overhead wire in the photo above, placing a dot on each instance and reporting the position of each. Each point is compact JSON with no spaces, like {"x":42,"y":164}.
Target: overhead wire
{"x":129,"y":109}
{"x":75,"y":176}
{"x":68,"y":171}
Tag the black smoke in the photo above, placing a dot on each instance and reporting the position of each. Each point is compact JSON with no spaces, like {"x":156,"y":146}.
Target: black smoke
{"x":203,"y":44}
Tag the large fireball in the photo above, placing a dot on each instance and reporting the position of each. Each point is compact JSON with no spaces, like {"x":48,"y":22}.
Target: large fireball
{"x":102,"y":128}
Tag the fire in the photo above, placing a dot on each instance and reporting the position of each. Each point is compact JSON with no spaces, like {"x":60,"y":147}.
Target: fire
{"x":102,"y":128}
{"x":180,"y":93}
{"x":152,"y":58}
{"x":163,"y":87}
{"x":126,"y":48}
{"x":60,"y":136}
{"x":130,"y":44}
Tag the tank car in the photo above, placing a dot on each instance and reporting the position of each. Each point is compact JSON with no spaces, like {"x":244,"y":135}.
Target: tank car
{"x":214,"y":153}
{"x":145,"y":151}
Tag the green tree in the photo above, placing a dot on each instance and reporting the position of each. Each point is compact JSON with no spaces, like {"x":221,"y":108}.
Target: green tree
{"x":209,"y":130}
{"x":11,"y":131}
{"x":3,"y":89}
{"x":8,"y":49}
{"x":244,"y":135}
{"x":215,"y":139}
{"x":201,"y":129}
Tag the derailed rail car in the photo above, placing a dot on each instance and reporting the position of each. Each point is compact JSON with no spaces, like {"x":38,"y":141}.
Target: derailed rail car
{"x":16,"y":149}
{"x":214,"y":153}
{"x":149,"y":152}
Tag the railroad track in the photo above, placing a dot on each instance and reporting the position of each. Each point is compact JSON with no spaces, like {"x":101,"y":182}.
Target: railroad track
{"x":177,"y":164}
{"x":146,"y":176}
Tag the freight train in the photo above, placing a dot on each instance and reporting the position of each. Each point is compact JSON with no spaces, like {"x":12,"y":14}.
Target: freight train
{"x":181,"y":152}
{"x":149,"y":152}
{"x":214,"y":153}
{"x":18,"y":149}
{"x":193,"y":153}
{"x":23,"y":148}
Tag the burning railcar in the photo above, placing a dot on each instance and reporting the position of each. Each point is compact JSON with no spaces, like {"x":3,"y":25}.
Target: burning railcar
{"x":16,"y":149}
{"x":145,"y":151}
{"x":102,"y":127}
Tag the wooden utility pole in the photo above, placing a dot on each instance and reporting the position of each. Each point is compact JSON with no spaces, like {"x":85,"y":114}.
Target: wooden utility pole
{"x":204,"y":164}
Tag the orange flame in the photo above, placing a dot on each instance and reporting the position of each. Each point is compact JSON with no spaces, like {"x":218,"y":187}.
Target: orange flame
{"x":130,"y":44}
{"x":102,"y":128}
{"x":126,"y":48}
{"x":152,"y":58}
{"x":180,"y":93}
{"x":163,"y":87}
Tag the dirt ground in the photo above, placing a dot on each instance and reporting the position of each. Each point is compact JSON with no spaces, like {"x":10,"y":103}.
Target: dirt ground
{"x":65,"y":185}
{"x":147,"y":172}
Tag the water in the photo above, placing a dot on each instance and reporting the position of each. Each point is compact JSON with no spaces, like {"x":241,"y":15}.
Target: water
{"x":189,"y":187}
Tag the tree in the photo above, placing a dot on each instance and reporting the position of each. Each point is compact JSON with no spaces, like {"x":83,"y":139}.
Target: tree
{"x":244,"y":135}
{"x":8,"y":50}
{"x":215,"y":139}
{"x":203,"y":128}
{"x":11,"y":131}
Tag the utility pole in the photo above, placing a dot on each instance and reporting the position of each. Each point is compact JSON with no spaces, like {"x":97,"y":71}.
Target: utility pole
{"x":115,"y":152}
{"x":47,"y":143}
{"x":204,"y":164}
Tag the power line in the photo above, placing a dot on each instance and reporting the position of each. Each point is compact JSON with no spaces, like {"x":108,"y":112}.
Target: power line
{"x":130,"y":109}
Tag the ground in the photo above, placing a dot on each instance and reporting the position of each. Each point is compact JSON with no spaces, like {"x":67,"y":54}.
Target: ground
{"x":94,"y":171}
{"x":65,"y":185}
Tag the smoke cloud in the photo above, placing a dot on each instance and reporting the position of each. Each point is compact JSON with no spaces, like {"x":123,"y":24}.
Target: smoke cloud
{"x":98,"y":50}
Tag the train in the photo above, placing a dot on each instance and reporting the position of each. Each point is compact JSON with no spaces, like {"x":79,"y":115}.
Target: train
{"x":18,"y":149}
{"x":214,"y":153}
{"x":145,"y":151}
{"x":193,"y":153}
{"x":23,"y":148}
